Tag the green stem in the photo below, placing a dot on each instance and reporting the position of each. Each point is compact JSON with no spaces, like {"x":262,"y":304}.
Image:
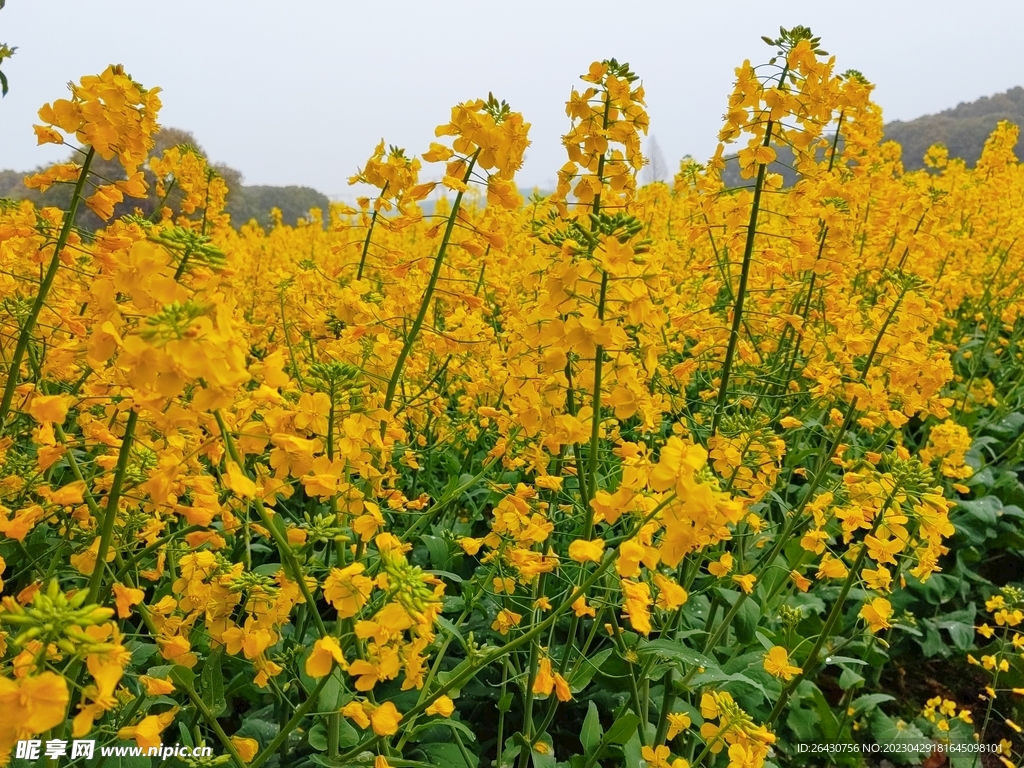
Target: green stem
{"x":110,"y":513}
{"x":292,"y":724}
{"x":283,"y":547}
{"x":457,"y":681}
{"x":211,"y":720}
{"x":13,"y":370}
{"x":595,"y":423}
{"x":830,"y":622}
{"x":369,"y":234}
{"x":428,"y":295}
{"x":741,"y":289}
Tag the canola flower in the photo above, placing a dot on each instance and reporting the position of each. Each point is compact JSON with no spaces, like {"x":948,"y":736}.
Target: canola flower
{"x":357,"y":466}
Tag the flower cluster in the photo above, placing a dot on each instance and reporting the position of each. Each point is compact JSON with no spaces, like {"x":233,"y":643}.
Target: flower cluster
{"x":641,"y":457}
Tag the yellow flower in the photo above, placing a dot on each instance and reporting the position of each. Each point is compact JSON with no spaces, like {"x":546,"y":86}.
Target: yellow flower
{"x":670,"y":595}
{"x":656,"y":757}
{"x":505,"y":620}
{"x":385,"y":719}
{"x":562,"y":690}
{"x":247,"y":748}
{"x":677,"y":723}
{"x":586,"y":551}
{"x":831,"y":568}
{"x":326,"y":652}
{"x":48,"y":409}
{"x":442,"y":706}
{"x":347,"y":589}
{"x":103,"y":201}
{"x":776,"y":662}
{"x":147,"y":732}
{"x":355,"y":712}
{"x":877,"y":613}
{"x":31,"y":705}
{"x":544,"y":681}
{"x":237,"y":481}
{"x":125,"y":598}
{"x":156,"y":686}
{"x":746,"y":582}
{"x":722,"y":566}
{"x":505,"y":585}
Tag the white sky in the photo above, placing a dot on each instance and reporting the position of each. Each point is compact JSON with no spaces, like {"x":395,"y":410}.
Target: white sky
{"x":300,"y":92}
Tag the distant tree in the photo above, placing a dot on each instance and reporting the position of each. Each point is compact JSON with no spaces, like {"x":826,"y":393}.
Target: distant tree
{"x":656,"y":168}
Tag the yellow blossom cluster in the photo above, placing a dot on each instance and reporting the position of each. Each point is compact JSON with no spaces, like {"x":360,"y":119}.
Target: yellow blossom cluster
{"x":362,"y":465}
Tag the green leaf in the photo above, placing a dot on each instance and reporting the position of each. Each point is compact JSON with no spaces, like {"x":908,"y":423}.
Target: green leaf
{"x":183,"y":733}
{"x":869,"y":701}
{"x":986,"y":509}
{"x":257,"y":728}
{"x":505,"y":703}
{"x":887,"y":731}
{"x":622,"y":729}
{"x":317,"y":737}
{"x":592,"y":732}
{"x":211,"y":683}
{"x":438,"y":550}
{"x":961,"y":634}
{"x":181,"y":676}
{"x":673,"y":650}
{"x":632,"y":751}
{"x":330,"y":695}
{"x":587,"y":670}
{"x":844,"y":660}
{"x":849,"y":679}
{"x":448,"y":755}
{"x":746,"y":621}
{"x":826,"y":717}
{"x":455,"y":725}
{"x":718,"y":676}
{"x":348,"y":736}
{"x":802,"y":721}
{"x":452,"y":630}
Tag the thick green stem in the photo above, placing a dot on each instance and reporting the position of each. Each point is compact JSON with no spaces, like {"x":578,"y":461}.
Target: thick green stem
{"x":369,"y":234}
{"x":595,"y":424}
{"x":595,"y":402}
{"x":428,"y":295}
{"x":13,"y":370}
{"x":741,"y":289}
{"x":110,"y":513}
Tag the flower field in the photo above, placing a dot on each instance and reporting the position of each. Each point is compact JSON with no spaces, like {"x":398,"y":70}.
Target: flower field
{"x":664,"y":475}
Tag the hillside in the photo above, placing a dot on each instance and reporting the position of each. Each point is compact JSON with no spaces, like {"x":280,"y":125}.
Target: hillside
{"x":244,"y":202}
{"x":963,"y":129}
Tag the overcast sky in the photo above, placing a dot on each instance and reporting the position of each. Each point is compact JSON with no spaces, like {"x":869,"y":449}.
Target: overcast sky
{"x":300,"y":92}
